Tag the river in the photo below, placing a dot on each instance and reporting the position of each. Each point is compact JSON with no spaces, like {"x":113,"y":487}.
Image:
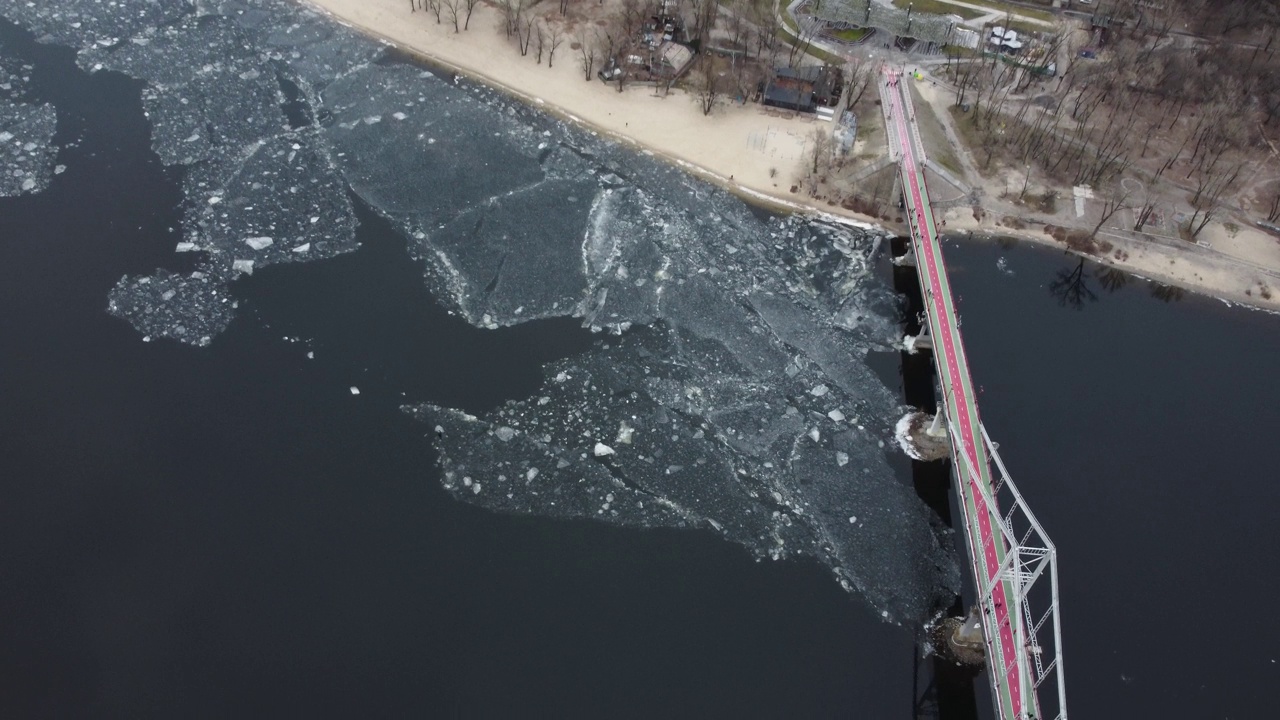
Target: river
{"x":230,"y":530}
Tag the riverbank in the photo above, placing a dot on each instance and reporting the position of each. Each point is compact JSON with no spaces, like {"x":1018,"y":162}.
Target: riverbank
{"x":753,"y":151}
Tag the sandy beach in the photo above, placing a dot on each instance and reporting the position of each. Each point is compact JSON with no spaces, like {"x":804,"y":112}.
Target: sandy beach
{"x":754,"y":151}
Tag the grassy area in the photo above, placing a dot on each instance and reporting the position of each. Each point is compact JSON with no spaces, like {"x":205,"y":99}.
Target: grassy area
{"x":941,"y":7}
{"x":1015,"y":9}
{"x":849,"y":35}
{"x":1023,"y":28}
{"x":789,"y":32}
{"x":934,"y":136}
{"x":937,"y":7}
{"x":870,"y":125}
{"x":963,"y":123}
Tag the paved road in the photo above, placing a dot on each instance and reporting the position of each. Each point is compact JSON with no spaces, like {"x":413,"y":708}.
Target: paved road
{"x":987,"y":547}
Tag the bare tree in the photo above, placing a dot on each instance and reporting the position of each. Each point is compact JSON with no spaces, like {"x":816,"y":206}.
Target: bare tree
{"x":541,"y":35}
{"x":1207,"y":204}
{"x":737,"y":23}
{"x":470,"y":7}
{"x":704,"y":18}
{"x":703,"y":87}
{"x":820,"y":144}
{"x":808,"y":30}
{"x":435,"y":7}
{"x":555,"y":36}
{"x":1145,"y":210}
{"x":764,"y":15}
{"x":1115,"y":199}
{"x":451,"y":11}
{"x":512,"y":13}
{"x":524,"y":34}
{"x":587,"y":49}
{"x":858,"y":79}
{"x":633,"y":12}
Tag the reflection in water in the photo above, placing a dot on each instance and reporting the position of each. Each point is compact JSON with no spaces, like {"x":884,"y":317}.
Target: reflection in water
{"x":1070,"y":286}
{"x":1166,"y":293}
{"x":1112,"y":279}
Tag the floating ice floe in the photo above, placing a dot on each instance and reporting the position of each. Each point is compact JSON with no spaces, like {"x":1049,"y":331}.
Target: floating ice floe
{"x":727,"y":334}
{"x":27,"y":151}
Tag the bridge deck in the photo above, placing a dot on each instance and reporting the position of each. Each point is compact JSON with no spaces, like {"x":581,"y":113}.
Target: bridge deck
{"x":1008,"y":663}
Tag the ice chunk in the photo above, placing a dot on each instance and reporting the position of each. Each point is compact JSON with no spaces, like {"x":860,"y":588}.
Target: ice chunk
{"x":242,"y":266}
{"x":355,"y":390}
{"x":259,"y":243}
{"x":601,"y":450}
{"x":625,"y":432}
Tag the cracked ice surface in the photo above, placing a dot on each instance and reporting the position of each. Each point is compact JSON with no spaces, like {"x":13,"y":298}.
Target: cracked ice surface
{"x":735,"y":395}
{"x":188,"y":308}
{"x":699,"y":440}
{"x":27,"y":151}
{"x":82,"y":23}
{"x":257,"y":190}
{"x":703,"y":412}
{"x":26,"y":147}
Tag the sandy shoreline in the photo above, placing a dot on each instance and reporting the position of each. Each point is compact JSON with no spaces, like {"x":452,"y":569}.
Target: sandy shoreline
{"x":752,"y":151}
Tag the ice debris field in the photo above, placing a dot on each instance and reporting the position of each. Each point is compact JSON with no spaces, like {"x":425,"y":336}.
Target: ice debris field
{"x":27,"y":151}
{"x":732,"y":393}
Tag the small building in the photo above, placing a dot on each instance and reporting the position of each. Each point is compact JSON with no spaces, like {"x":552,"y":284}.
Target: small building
{"x":846,"y":132}
{"x":803,"y":89}
{"x":1005,"y":40}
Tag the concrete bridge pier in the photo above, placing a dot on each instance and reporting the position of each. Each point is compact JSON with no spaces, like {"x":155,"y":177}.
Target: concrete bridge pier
{"x":923,"y":436}
{"x":961,"y":640}
{"x":923,"y":341}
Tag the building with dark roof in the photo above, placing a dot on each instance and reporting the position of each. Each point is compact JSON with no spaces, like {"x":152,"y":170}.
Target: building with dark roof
{"x":803,"y":89}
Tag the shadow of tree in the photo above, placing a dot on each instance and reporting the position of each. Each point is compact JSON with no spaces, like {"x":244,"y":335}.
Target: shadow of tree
{"x":1166,"y":293}
{"x":1112,"y":279}
{"x":1071,"y":287}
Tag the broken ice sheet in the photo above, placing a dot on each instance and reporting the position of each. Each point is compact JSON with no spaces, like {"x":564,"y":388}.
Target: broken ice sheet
{"x":82,"y":23}
{"x":728,"y":321}
{"x":26,"y":147}
{"x":191,"y":308}
{"x":524,"y":248}
{"x":285,"y":192}
{"x":391,"y":165}
{"x":209,"y":90}
{"x":710,"y":447}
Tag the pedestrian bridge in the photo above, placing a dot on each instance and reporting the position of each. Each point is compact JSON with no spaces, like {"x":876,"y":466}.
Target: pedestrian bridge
{"x":1015,"y":622}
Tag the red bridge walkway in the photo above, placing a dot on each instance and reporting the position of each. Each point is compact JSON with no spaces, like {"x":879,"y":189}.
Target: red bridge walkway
{"x":1008,"y":552}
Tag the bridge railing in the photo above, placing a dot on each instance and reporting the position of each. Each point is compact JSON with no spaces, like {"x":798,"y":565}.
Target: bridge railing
{"x":1030,"y":569}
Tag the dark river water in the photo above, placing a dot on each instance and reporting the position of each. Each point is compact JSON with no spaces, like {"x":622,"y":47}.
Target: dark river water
{"x":229,"y":532}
